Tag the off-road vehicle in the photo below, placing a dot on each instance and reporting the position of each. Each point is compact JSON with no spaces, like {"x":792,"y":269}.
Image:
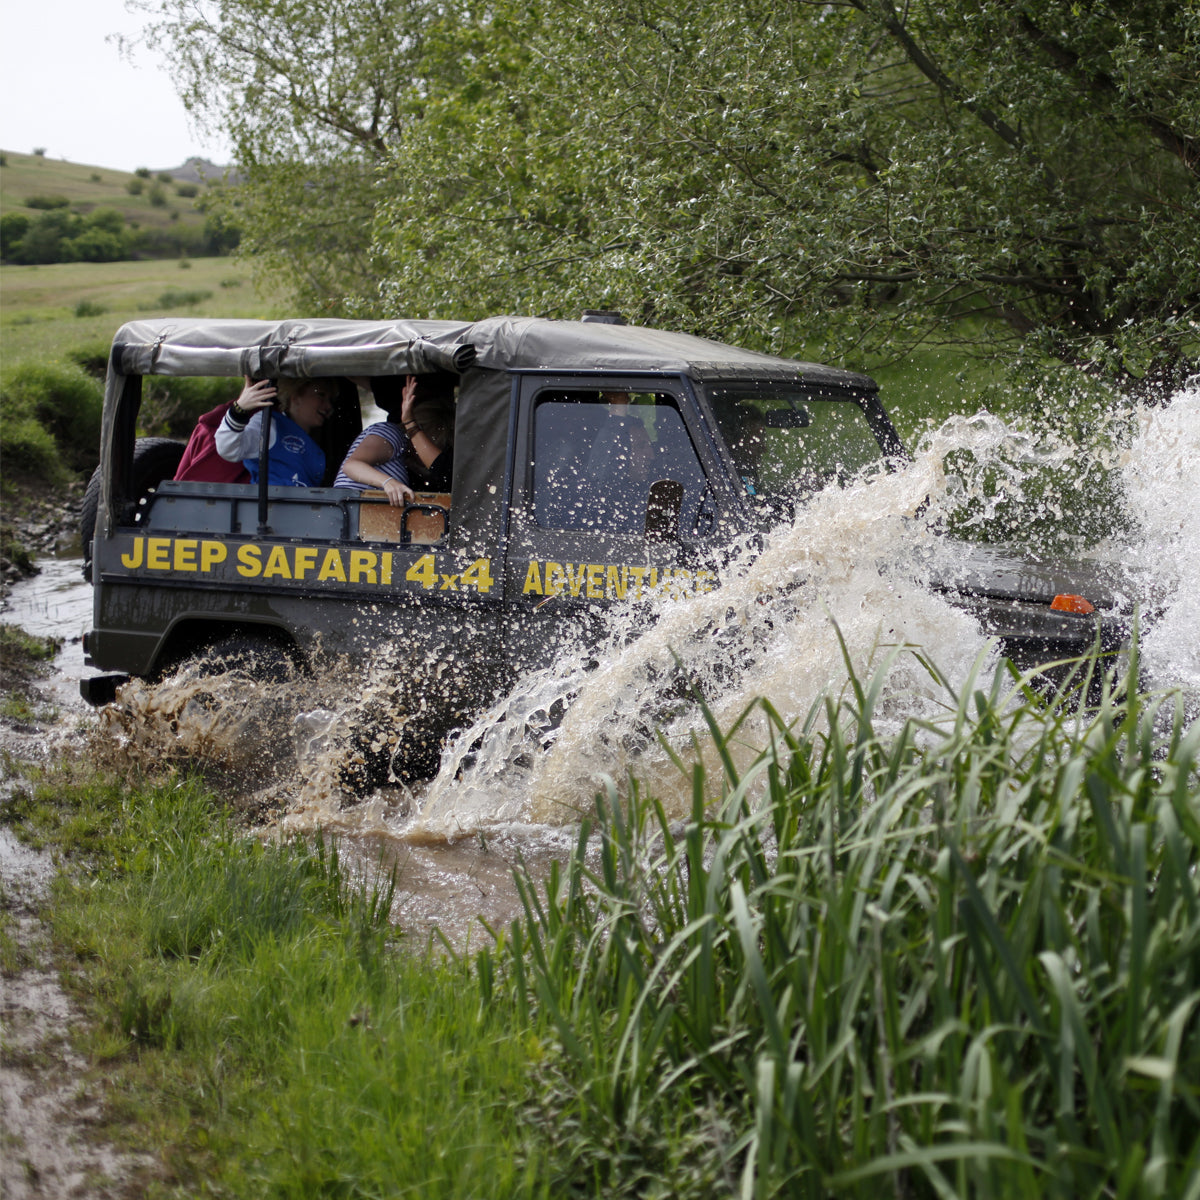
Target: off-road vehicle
{"x":594,"y":464}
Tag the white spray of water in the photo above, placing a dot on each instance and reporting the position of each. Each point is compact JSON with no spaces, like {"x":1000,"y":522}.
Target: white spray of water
{"x":772,"y":629}
{"x":1162,"y":479}
{"x":846,"y":566}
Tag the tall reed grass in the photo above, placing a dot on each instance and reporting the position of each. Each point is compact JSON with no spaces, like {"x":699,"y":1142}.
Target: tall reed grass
{"x":958,"y":958}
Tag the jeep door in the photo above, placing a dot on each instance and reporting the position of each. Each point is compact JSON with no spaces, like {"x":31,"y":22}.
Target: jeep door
{"x":615,"y":500}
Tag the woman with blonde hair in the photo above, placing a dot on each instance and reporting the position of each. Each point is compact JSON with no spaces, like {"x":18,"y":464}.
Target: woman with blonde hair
{"x":304,"y":406}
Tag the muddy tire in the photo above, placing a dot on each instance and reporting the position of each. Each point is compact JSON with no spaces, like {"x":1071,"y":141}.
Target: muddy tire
{"x":263,"y":658}
{"x":154,"y":459}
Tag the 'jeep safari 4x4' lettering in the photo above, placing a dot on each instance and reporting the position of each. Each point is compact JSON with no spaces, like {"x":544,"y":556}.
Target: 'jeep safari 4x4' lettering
{"x":594,"y":464}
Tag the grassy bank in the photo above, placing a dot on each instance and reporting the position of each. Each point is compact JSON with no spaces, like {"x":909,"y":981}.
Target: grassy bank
{"x":264,"y":1029}
{"x":961,"y":959}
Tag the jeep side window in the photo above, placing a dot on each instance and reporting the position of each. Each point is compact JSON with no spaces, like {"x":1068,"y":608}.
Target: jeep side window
{"x":787,"y":444}
{"x":596,"y":455}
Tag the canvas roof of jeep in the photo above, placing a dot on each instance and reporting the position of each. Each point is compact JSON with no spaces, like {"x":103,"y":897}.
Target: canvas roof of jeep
{"x":328,"y":346}
{"x":482,"y":353}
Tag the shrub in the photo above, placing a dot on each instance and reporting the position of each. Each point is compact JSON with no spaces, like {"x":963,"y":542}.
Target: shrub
{"x":142,"y":172}
{"x":157,"y":195}
{"x":39,"y":151}
{"x":13,"y":227}
{"x":27,"y":446}
{"x":96,"y":245}
{"x":164,"y":177}
{"x":187,"y":190}
{"x":221,"y":236}
{"x":176,"y":242}
{"x":61,"y":401}
{"x":46,"y":202}
{"x":46,"y":240}
{"x":59,"y":235}
{"x":171,"y":405}
{"x":90,"y":357}
{"x":95,"y":177}
{"x":89,"y":308}
{"x":178,"y":298}
{"x":135,"y":186}
{"x":108,"y":219}
{"x":105,"y":238}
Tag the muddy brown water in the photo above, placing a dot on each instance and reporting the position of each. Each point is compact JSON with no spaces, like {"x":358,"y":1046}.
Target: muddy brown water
{"x":264,"y":746}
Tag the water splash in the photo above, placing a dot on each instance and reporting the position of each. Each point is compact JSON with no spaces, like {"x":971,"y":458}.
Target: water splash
{"x":839,"y":583}
{"x":1162,"y":476}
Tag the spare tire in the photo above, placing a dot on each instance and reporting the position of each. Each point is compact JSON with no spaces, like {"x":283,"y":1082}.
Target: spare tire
{"x":154,"y":459}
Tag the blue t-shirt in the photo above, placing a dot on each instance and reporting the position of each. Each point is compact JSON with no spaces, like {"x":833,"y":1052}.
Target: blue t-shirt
{"x":295,"y":459}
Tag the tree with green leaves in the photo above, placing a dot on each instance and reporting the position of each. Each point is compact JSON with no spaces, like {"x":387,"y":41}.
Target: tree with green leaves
{"x":313,"y":94}
{"x":843,"y":174}
{"x":848,"y":177}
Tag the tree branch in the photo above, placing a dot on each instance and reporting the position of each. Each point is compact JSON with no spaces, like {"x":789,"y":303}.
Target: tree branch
{"x":1185,"y":147}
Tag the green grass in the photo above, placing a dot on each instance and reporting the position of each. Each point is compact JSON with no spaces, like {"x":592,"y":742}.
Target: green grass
{"x":37,"y":304}
{"x":16,"y":707}
{"x":959,"y":959}
{"x":22,"y":652}
{"x":265,"y":1030}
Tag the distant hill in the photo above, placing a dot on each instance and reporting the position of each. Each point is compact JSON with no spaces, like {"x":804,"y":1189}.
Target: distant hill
{"x":163,"y":212}
{"x":201,"y":170}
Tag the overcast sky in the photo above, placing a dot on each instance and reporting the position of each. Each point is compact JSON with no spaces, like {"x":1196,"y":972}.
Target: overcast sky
{"x":64,"y":87}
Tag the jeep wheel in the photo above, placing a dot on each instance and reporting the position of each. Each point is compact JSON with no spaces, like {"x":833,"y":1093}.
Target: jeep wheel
{"x":154,"y":459}
{"x":262,"y":657}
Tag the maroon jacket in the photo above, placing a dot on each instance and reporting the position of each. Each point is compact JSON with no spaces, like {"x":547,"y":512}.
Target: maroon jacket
{"x":201,"y":462}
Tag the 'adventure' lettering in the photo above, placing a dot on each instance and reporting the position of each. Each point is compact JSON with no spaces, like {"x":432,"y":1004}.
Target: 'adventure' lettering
{"x":613,"y":581}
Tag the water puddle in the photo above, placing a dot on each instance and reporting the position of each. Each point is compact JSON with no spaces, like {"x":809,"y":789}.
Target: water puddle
{"x":56,"y":602}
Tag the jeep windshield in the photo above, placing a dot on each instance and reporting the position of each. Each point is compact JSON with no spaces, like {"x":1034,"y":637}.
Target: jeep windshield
{"x":788,"y":442}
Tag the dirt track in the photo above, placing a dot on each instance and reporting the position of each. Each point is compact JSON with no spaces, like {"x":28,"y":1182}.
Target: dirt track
{"x":49,"y":1105}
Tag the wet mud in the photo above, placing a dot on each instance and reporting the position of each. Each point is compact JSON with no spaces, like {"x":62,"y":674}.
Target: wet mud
{"x":49,"y":1106}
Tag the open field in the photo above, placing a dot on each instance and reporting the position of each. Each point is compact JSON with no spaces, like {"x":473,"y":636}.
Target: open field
{"x":37,"y":304}
{"x":85,"y":187}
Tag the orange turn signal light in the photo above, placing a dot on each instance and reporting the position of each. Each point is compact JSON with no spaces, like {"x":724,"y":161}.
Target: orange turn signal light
{"x":1066,"y":602}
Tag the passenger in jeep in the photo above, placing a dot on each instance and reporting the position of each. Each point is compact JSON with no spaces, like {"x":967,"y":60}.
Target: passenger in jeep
{"x":376,"y":457}
{"x":423,"y":406}
{"x":295,"y":458}
{"x":200,"y":462}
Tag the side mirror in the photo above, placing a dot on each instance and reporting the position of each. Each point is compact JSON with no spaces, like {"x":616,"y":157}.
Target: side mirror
{"x":662,"y":511}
